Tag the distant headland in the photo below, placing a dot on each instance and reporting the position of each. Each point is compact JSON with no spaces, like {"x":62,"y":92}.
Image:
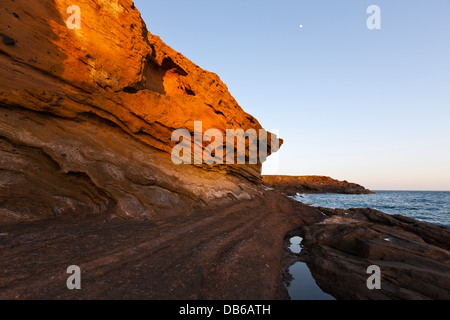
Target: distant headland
{"x":292,"y":185}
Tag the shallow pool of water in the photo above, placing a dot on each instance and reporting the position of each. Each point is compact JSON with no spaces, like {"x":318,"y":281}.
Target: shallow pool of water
{"x":303,"y":286}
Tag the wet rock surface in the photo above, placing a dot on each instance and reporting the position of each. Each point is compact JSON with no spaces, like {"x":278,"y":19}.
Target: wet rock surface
{"x":413,"y":256}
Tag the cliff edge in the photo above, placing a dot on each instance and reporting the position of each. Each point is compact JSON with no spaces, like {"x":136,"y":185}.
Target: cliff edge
{"x":87,"y":116}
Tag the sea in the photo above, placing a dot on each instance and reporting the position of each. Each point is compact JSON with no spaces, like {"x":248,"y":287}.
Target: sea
{"x":428,"y":206}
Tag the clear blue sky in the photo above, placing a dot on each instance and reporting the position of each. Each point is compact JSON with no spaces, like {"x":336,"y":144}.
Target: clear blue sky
{"x":369,"y":106}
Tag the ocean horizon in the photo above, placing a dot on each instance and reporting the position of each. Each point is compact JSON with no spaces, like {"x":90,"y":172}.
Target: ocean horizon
{"x":387,"y":190}
{"x":427,"y":206}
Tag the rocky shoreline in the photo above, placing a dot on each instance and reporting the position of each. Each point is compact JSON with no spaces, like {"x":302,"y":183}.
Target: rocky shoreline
{"x":87,"y":179}
{"x":235,"y":253}
{"x":292,"y":185}
{"x":413,"y":256}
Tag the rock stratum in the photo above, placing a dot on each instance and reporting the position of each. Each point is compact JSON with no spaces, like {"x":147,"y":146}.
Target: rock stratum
{"x":87,"y":115}
{"x":292,"y":185}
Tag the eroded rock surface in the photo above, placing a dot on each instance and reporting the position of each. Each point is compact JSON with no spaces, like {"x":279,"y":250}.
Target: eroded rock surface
{"x":87,"y":115}
{"x":229,"y":253}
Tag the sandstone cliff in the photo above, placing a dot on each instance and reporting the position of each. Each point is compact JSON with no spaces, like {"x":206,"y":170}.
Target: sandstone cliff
{"x":292,"y":185}
{"x":86,"y":117}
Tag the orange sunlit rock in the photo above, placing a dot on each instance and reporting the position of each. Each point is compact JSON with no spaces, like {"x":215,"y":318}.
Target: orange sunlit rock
{"x":86,"y":117}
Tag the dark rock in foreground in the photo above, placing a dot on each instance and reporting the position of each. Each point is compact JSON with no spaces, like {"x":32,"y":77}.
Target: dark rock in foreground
{"x":414,"y":256}
{"x":292,"y":185}
{"x":234,"y":252}
{"x":231,"y":253}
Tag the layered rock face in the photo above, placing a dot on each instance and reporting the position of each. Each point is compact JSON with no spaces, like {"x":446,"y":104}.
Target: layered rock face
{"x":87,"y":115}
{"x":292,"y":185}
